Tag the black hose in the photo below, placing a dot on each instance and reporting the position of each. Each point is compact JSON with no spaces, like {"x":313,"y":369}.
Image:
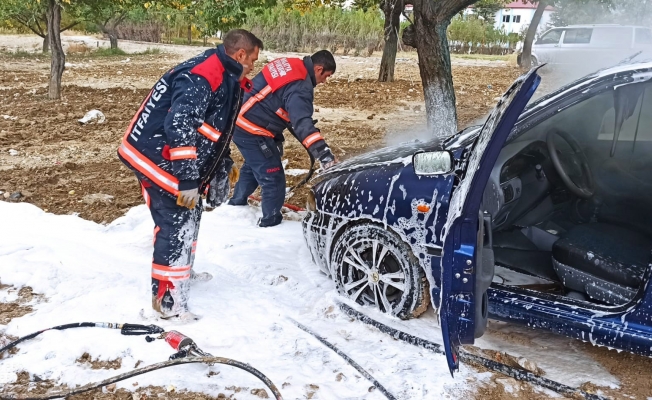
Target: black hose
{"x":125,"y":329}
{"x":468,"y":358}
{"x":150,"y":368}
{"x":132,"y":329}
{"x":347,"y":359}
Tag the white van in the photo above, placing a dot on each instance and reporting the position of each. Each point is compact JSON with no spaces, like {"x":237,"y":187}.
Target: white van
{"x":591,"y":46}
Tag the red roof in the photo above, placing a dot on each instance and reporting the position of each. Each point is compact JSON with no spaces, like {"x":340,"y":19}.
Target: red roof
{"x":520,"y":4}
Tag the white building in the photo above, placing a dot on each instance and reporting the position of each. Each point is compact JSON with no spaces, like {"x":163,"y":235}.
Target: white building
{"x":516,"y":16}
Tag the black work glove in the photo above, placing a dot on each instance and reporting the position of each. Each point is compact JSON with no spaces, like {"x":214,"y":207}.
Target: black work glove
{"x":219,"y":189}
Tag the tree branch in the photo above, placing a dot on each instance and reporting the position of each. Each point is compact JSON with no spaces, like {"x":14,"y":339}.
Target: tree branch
{"x":69,"y":26}
{"x":27,"y":24}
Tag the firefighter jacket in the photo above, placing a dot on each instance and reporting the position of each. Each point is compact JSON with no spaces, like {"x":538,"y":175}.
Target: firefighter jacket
{"x":180,"y":135}
{"x":282,"y":97}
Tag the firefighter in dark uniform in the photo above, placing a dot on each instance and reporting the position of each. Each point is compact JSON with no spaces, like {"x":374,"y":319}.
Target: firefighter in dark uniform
{"x":282,"y":97}
{"x":177,"y":144}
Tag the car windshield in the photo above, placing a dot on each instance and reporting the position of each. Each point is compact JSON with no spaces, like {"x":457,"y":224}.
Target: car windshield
{"x":596,"y":117}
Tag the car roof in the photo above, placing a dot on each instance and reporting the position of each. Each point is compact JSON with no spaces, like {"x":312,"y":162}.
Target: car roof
{"x":601,"y":26}
{"x":630,"y":66}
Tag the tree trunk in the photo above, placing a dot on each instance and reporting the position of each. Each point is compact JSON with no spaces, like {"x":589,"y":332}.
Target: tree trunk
{"x":526,"y":56}
{"x":46,"y":43}
{"x":392,"y":10}
{"x":189,"y":33}
{"x":58,"y":62}
{"x":113,"y":39}
{"x":428,"y":35}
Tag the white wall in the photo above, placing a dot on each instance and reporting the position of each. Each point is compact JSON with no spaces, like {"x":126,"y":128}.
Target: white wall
{"x":526,"y":15}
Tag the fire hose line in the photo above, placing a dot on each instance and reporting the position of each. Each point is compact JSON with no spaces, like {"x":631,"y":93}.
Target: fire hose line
{"x":286,"y":205}
{"x":187,"y":353}
{"x":468,"y":358}
{"x":346,"y":358}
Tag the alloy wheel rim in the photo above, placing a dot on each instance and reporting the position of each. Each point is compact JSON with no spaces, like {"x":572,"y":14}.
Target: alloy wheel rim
{"x":371,"y":275}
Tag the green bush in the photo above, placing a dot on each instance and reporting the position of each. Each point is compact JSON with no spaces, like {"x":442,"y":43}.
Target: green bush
{"x":470,"y":34}
{"x":320,"y":28}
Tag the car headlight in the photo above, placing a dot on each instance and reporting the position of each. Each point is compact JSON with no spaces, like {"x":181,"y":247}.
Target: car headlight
{"x":311,"y":203}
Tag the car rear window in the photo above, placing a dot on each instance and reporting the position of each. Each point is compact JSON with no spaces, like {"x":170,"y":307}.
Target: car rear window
{"x":578,"y":36}
{"x":643,"y":36}
{"x":612,"y":37}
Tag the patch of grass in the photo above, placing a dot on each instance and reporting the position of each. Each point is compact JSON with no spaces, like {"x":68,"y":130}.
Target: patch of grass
{"x":21,"y":53}
{"x":209,"y":43}
{"x":486,"y":57}
{"x":150,"y":50}
{"x":108,"y":52}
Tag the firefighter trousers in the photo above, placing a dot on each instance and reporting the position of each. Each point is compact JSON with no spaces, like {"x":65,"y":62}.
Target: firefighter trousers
{"x":175,"y":242}
{"x":262,"y":166}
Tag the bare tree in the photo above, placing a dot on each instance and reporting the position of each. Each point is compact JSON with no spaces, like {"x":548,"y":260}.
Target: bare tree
{"x":392,"y":10}
{"x":428,"y":35}
{"x":58,"y":61}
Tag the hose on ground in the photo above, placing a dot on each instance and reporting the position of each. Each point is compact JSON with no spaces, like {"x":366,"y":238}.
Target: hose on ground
{"x":346,"y":358}
{"x":468,"y":358}
{"x":129,"y":330}
{"x":150,"y":368}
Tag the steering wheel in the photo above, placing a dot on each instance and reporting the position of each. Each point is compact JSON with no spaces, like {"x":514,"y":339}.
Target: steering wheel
{"x":573,"y":167}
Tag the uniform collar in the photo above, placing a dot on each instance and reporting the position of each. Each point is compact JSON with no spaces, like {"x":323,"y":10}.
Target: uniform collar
{"x":232,"y":67}
{"x":307,"y":61}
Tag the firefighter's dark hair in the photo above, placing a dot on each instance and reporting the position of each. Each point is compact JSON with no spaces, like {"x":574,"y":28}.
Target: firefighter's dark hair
{"x":325,"y":59}
{"x":237,"y":39}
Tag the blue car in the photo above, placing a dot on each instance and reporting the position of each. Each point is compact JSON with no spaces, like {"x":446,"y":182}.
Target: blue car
{"x":542,"y":216}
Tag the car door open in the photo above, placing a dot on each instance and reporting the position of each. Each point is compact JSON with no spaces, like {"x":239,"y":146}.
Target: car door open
{"x":467,"y":262}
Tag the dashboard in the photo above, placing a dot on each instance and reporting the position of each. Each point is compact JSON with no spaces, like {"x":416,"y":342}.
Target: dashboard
{"x":517,"y":181}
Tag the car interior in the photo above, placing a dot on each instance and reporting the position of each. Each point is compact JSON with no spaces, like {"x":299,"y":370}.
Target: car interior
{"x":569,"y":200}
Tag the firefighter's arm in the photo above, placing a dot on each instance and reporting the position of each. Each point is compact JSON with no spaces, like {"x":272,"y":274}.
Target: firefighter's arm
{"x":299,"y":105}
{"x":190,"y":98}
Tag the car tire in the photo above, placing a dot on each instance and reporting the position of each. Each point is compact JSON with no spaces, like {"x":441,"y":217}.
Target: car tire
{"x":533,"y":60}
{"x":395,"y":283}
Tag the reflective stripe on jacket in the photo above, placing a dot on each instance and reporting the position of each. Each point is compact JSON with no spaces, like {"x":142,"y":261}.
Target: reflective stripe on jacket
{"x":282,"y":95}
{"x":183,"y":127}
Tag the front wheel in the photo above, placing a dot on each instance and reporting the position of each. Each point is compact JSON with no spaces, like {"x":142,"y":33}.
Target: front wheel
{"x":375,"y":267}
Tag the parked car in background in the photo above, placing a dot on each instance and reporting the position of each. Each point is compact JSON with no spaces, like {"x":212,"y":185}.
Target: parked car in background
{"x":590,"y":47}
{"x":540,"y":217}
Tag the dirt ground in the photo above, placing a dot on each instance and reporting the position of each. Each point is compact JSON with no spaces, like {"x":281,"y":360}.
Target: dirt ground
{"x":66,"y":167}
{"x":51,"y":160}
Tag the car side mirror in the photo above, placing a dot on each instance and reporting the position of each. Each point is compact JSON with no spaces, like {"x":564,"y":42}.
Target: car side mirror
{"x":433,"y":162}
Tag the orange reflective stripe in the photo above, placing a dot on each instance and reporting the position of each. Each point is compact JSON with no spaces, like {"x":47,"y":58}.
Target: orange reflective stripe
{"x":167,"y":273}
{"x":156,"y":229}
{"x":149,"y":169}
{"x":142,"y":163}
{"x":243,"y":123}
{"x":183,"y":153}
{"x":145,"y":194}
{"x":283,"y":114}
{"x":211,"y":133}
{"x":255,"y":99}
{"x":194,"y":247}
{"x":307,"y":142}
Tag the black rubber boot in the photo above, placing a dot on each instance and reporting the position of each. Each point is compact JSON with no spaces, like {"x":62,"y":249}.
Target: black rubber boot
{"x":273,"y":221}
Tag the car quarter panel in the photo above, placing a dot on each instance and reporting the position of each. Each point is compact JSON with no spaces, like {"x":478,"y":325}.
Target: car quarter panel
{"x":392,"y":195}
